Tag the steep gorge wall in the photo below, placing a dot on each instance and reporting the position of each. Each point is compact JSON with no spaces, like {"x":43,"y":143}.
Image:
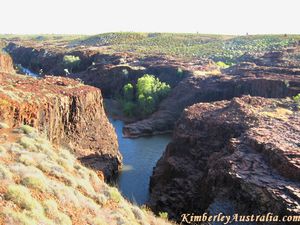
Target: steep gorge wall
{"x":6,"y":63}
{"x":238,"y":156}
{"x":208,"y":89}
{"x":68,"y":112}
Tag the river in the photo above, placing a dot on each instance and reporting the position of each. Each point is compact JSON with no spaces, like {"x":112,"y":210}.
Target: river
{"x":139,"y":157}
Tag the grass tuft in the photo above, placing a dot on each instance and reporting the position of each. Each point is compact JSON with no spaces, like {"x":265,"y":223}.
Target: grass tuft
{"x":21,"y":196}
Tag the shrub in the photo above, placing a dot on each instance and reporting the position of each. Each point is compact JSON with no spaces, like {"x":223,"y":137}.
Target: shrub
{"x":163,"y":215}
{"x":297,"y":99}
{"x":5,"y":173}
{"x":71,"y":62}
{"x":35,"y":182}
{"x":222,"y":65}
{"x":27,"y":160}
{"x":52,"y":211}
{"x":18,"y":217}
{"x":180,"y":72}
{"x":128,"y":92}
{"x":27,"y":143}
{"x":3,"y":126}
{"x":115,"y":194}
{"x":2,"y":151}
{"x":129,"y":108}
{"x":21,"y":196}
{"x":27,"y":129}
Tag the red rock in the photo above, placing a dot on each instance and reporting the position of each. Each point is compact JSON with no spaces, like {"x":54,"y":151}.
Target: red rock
{"x":239,"y":152}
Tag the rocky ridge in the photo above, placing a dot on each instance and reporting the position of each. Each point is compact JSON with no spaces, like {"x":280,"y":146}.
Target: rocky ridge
{"x":67,"y":111}
{"x":272,"y":76}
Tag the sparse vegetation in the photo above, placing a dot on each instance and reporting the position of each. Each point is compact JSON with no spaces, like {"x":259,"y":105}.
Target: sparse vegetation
{"x":40,"y":188}
{"x":217,"y":47}
{"x":21,"y":196}
{"x":3,"y":125}
{"x":297,"y":99}
{"x":27,"y":129}
{"x":163,"y":215}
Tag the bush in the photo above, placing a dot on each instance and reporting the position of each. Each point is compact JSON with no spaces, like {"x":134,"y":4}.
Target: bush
{"x":297,"y":99}
{"x":129,"y":108}
{"x":149,"y":91}
{"x":3,"y":125}
{"x":22,"y":197}
{"x":35,"y":182}
{"x":115,"y":194}
{"x":27,"y":129}
{"x":18,"y":217}
{"x":71,"y":62}
{"x":163,"y":215}
{"x":5,"y":173}
{"x":128,"y":92}
{"x":52,"y":211}
{"x":222,"y":65}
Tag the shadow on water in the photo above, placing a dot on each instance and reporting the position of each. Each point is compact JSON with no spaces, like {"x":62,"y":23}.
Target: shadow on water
{"x":139,"y":157}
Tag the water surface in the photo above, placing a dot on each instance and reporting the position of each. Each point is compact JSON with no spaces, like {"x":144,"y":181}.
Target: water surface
{"x":139,"y":157}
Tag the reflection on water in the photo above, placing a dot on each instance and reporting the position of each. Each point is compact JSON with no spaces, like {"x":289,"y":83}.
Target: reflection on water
{"x":139,"y":157}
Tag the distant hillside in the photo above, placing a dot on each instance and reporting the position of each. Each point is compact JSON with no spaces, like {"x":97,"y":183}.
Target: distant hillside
{"x":226,"y":48}
{"x":217,"y":47}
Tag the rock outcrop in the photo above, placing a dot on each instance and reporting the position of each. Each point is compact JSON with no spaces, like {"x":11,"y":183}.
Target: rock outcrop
{"x":6,"y":63}
{"x":68,"y":112}
{"x":48,"y":61}
{"x":239,"y":156}
{"x":271,"y":78}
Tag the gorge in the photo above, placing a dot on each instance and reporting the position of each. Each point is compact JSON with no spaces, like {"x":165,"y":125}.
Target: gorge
{"x":235,"y":131}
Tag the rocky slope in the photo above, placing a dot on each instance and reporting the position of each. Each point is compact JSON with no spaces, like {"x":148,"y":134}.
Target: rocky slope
{"x":45,"y":184}
{"x":68,"y":112}
{"x":274,"y":75}
{"x":238,"y":156}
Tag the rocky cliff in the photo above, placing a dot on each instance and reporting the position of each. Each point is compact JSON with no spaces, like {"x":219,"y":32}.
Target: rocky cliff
{"x":238,"y":156}
{"x":272,"y":76}
{"x":6,"y":63}
{"x":67,"y":112}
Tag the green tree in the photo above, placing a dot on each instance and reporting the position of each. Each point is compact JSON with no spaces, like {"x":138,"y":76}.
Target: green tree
{"x":128,"y":92}
{"x":129,"y":108}
{"x":149,"y":92}
{"x":71,"y":62}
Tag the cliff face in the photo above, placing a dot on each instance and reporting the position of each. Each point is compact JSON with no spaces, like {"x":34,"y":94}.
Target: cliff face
{"x":274,"y":74}
{"x":37,"y":58}
{"x":238,"y":156}
{"x":107,"y":72}
{"x":68,"y":112}
{"x":44,"y":184}
{"x":6,"y":63}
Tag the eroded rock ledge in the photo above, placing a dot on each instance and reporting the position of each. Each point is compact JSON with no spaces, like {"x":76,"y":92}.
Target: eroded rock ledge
{"x":6,"y":63}
{"x":68,"y":112}
{"x":273,"y":75}
{"x":232,"y":156}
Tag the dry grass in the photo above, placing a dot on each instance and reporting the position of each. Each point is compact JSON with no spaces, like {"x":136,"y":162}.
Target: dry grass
{"x":47,"y":185}
{"x":279,"y":113}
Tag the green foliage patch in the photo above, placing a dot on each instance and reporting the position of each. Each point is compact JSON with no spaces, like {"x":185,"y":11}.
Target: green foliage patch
{"x":144,"y":97}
